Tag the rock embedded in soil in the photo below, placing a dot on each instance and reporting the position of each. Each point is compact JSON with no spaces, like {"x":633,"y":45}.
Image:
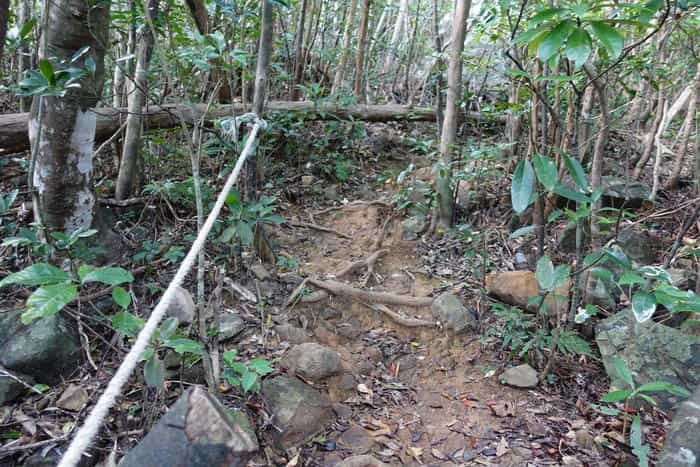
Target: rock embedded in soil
{"x":652,"y":351}
{"x":517,"y":287}
{"x":197,"y":431}
{"x":521,"y":376}
{"x":292,"y":334}
{"x":230,"y":325}
{"x":182,"y":307}
{"x":260,"y":272}
{"x":640,"y":247}
{"x":48,"y":349}
{"x":413,"y":227}
{"x":682,"y":446}
{"x":342,"y":387}
{"x":364,"y":460}
{"x":356,"y":439}
{"x":73,"y":398}
{"x":10,"y":388}
{"x":312,"y":361}
{"x":450,"y":311}
{"x":298,"y":410}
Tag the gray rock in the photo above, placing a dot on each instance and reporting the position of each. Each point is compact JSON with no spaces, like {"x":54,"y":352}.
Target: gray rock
{"x":452,"y":314}
{"x":521,"y":376}
{"x":567,"y":237}
{"x":638,"y":246}
{"x":260,"y":272}
{"x":618,"y":192}
{"x":73,"y":398}
{"x":652,"y":352}
{"x":312,"y":361}
{"x":332,"y":193}
{"x":413,"y":226}
{"x":364,"y":460}
{"x":47,"y":350}
{"x":182,"y":307}
{"x":197,"y":431}
{"x":597,"y":293}
{"x":682,"y":446}
{"x":292,"y":334}
{"x":298,"y":410}
{"x":230,"y":325}
{"x":682,"y":278}
{"x":10,"y":388}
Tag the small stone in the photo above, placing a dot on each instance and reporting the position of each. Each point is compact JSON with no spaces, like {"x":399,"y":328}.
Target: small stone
{"x":73,"y":398}
{"x":448,"y":309}
{"x":640,"y":247}
{"x":307,"y":180}
{"x":412,"y":227}
{"x":342,"y":387}
{"x":342,"y":411}
{"x":521,"y":376}
{"x":517,"y":287}
{"x":292,"y":334}
{"x":364,"y":460}
{"x":260,"y":272}
{"x":182,"y":307}
{"x":230,"y":325}
{"x":356,"y":439}
{"x":312,"y":361}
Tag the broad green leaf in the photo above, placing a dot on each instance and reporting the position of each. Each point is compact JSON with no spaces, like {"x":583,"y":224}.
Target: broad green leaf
{"x":643,"y":305}
{"x":657,"y":386}
{"x":616,"y":396}
{"x":545,"y":273}
{"x":568,"y":193}
{"x":576,"y":171}
{"x":245,"y":232}
{"x":46,"y":69}
{"x":261,"y":366}
{"x":48,"y":300}
{"x":249,"y":381}
{"x":106,"y":275}
{"x":604,"y":274}
{"x":127,"y":323}
{"x":546,"y":171}
{"x":229,"y":356}
{"x":631,"y":278}
{"x":639,"y":449}
{"x":556,"y":38}
{"x":561,"y":273}
{"x":528,"y":229}
{"x":36,"y":274}
{"x":168,"y":327}
{"x":623,"y":371}
{"x":522,"y":186}
{"x":610,"y":38}
{"x":154,"y":372}
{"x":121,"y":297}
{"x":578,"y":46}
{"x":605,"y":410}
{"x":183,"y":345}
{"x":544,"y":15}
{"x":529,"y":34}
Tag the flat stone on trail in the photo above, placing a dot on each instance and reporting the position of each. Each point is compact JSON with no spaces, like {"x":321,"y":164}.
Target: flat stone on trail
{"x":521,"y":376}
{"x":364,"y":460}
{"x":230,"y":325}
{"x":73,"y":398}
{"x":182,"y":307}
{"x":292,"y":334}
{"x":260,"y":272}
{"x":312,"y":361}
{"x":357,"y":439}
{"x":197,"y":431}
{"x":298,"y":410}
{"x":48,"y":349}
{"x":452,"y":314}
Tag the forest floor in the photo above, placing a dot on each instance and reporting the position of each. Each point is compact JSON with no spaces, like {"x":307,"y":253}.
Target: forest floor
{"x":415,"y":395}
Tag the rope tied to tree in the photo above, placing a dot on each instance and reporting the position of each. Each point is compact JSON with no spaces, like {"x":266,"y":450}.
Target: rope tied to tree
{"x":94,"y":421}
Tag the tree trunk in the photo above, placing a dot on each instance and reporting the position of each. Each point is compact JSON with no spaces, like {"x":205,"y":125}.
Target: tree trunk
{"x":345,"y":54}
{"x":63,"y":144}
{"x":360,"y":57}
{"x":24,"y":59}
{"x":443,"y":176}
{"x":4,"y":18}
{"x":399,"y":26}
{"x":127,"y":183}
{"x":438,"y":67}
{"x":298,"y":52}
{"x":264,"y":53}
{"x":198,"y":10}
{"x":684,"y":137}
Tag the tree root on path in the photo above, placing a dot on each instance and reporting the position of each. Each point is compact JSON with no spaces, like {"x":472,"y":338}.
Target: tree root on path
{"x":398,"y":319}
{"x":338,"y":288}
{"x":368,"y":262}
{"x":355,"y":204}
{"x":320,"y":228}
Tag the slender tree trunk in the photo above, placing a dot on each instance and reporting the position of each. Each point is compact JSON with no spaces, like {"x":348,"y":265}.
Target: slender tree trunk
{"x":345,"y":54}
{"x":399,"y":27}
{"x":63,"y":164}
{"x":127,"y":181}
{"x":298,"y":52}
{"x":361,"y":42}
{"x":650,"y":137}
{"x":443,"y":175}
{"x":24,"y":59}
{"x":438,"y":67}
{"x":684,"y":137}
{"x":4,"y":18}
{"x":584,"y":130}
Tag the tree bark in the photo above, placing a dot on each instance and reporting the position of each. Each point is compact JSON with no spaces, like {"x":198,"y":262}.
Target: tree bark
{"x":264,"y":52}
{"x":4,"y":18}
{"x":199,"y":13}
{"x":443,"y":175}
{"x":360,"y":57}
{"x":63,"y":175}
{"x":399,"y":26}
{"x":684,"y":137}
{"x":345,"y":54}
{"x":24,"y":59}
{"x":298,"y":52}
{"x":127,"y":180}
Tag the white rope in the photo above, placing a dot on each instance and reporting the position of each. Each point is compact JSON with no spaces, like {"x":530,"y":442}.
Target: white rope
{"x":93,"y":422}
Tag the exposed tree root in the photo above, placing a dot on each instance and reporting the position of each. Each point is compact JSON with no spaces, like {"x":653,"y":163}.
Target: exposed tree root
{"x":338,"y":288}
{"x":320,"y":228}
{"x":382,"y":232}
{"x":369,"y":262}
{"x":355,"y":204}
{"x":397,"y":318}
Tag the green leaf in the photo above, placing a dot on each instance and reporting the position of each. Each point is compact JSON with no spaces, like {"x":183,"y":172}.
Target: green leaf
{"x":544,"y":15}
{"x":616,"y":396}
{"x":168,"y":327}
{"x":576,"y":171}
{"x":623,"y":371}
{"x":183,"y":345}
{"x":528,"y":229}
{"x":568,"y":193}
{"x":154,"y":372}
{"x":48,"y":300}
{"x":643,"y":305}
{"x":36,"y":274}
{"x":639,"y":449}
{"x":27,"y":28}
{"x":556,"y":38}
{"x":546,"y":171}
{"x":106,"y":275}
{"x":46,"y":69}
{"x":611,"y":39}
{"x":657,"y":386}
{"x":261,"y":366}
{"x":605,"y":410}
{"x":127,"y":323}
{"x":545,"y":273}
{"x":631,"y":278}
{"x":245,"y":232}
{"x":229,"y":357}
{"x":561,"y":273}
{"x":249,"y":381}
{"x":522,"y":187}
{"x":121,"y":297}
{"x":604,"y":274}
{"x":578,"y":46}
{"x":529,"y":34}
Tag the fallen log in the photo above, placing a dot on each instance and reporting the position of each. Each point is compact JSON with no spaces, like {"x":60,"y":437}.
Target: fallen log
{"x":14,"y":138}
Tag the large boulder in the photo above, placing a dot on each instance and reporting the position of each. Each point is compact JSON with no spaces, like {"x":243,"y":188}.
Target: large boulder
{"x":197,"y":431}
{"x":450,"y":311}
{"x":312,"y":361}
{"x":48,"y":349}
{"x":298,"y":410}
{"x":517,"y":287}
{"x":652,"y":351}
{"x":618,"y":192}
{"x":682,"y":447}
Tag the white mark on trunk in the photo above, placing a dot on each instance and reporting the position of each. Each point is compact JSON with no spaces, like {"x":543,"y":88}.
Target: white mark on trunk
{"x":83,"y":210}
{"x":83,"y":139}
